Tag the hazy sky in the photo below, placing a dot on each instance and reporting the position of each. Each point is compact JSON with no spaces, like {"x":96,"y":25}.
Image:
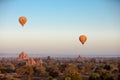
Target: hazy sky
{"x":54,"y":27}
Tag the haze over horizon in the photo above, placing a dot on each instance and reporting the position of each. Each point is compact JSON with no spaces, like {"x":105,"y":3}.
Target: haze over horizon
{"x":54,"y":27}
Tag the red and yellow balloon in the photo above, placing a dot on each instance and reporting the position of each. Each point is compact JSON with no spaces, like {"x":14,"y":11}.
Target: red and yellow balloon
{"x":22,"y":20}
{"x":83,"y":39}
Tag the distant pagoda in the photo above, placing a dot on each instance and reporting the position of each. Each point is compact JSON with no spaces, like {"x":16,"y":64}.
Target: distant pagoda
{"x":31,"y":62}
{"x":40,"y":62}
{"x":79,"y":58}
{"x":23,"y":56}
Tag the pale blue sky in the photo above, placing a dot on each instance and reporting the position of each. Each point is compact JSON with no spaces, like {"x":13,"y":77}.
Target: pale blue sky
{"x":54,"y":26}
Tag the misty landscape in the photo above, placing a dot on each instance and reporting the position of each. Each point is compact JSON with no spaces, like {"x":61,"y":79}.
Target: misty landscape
{"x":59,"y":39}
{"x":24,"y":67}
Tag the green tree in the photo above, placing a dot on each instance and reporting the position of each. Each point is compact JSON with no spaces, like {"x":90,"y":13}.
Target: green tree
{"x":28,"y":78}
{"x":87,"y":67}
{"x":25,"y":70}
{"x":74,"y":76}
{"x":7,"y":67}
{"x":67,"y":78}
{"x":50,"y":78}
{"x":39,"y":70}
{"x":71,"y":68}
{"x":94,"y":76}
{"x":53,"y":71}
{"x":107,"y":76}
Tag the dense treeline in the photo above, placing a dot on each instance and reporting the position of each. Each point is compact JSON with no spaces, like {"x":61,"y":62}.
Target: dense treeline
{"x":53,"y":69}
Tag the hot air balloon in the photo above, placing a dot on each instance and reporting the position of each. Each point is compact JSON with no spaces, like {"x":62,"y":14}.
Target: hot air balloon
{"x":22,"y":20}
{"x":82,"y":39}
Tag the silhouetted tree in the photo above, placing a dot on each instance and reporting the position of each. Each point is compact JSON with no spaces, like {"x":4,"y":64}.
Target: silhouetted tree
{"x":107,"y":67}
{"x":62,"y":67}
{"x":119,"y":67}
{"x":106,"y":76}
{"x":53,"y":71}
{"x":119,"y":77}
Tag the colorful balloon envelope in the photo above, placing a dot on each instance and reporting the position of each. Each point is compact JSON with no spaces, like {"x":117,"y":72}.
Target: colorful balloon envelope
{"x":82,"y":39}
{"x":22,"y":20}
